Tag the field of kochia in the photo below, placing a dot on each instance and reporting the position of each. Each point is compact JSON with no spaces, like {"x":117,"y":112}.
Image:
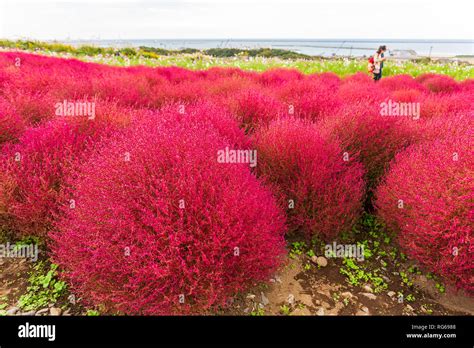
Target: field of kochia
{"x":168,"y":191}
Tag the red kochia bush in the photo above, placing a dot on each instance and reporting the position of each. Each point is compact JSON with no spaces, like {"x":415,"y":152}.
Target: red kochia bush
{"x":361,"y":129}
{"x":203,"y":114}
{"x":440,"y":84}
{"x":36,"y":167}
{"x":33,"y":107}
{"x":11,"y":124}
{"x":253,"y":107}
{"x":328,"y":79}
{"x":309,"y":99}
{"x":401,"y":82}
{"x":407,"y":95}
{"x":439,"y":128}
{"x":434,"y":182}
{"x":279,"y":76}
{"x":311,"y":171}
{"x":355,"y":90}
{"x":171,"y":223}
{"x":447,"y":105}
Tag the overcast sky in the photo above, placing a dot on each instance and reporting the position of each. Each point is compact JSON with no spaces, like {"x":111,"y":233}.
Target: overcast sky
{"x":162,"y":19}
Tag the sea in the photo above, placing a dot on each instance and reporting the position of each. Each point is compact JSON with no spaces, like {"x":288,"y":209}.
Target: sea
{"x":316,"y":47}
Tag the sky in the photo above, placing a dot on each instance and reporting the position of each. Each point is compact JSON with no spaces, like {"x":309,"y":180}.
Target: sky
{"x":188,"y":19}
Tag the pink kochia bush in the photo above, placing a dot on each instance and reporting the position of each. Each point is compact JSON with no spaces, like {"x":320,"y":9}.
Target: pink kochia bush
{"x":11,"y":124}
{"x":439,"y":83}
{"x":363,"y":130}
{"x":253,"y":108}
{"x":310,"y":171}
{"x":310,"y":99}
{"x":204,"y":114}
{"x":427,"y":199}
{"x":447,"y":105}
{"x":35,"y":169}
{"x":168,"y":230}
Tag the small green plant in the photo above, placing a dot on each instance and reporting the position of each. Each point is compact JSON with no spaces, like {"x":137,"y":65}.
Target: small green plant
{"x":297,"y":249}
{"x":285,"y":310}
{"x":414,"y":270}
{"x":3,"y":302}
{"x":405,"y":279}
{"x":427,"y":308}
{"x":440,"y":288}
{"x":28,"y":240}
{"x":258,"y":312}
{"x":410,"y":298}
{"x":92,"y":313}
{"x":357,"y":275}
{"x":44,"y":287}
{"x":368,"y":252}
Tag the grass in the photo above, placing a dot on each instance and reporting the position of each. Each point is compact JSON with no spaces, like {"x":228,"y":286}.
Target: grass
{"x":255,"y":60}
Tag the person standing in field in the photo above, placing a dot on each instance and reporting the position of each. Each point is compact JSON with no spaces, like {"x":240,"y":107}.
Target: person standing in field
{"x":376,"y":62}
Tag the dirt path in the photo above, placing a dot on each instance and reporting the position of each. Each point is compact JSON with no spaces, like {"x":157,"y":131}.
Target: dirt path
{"x":324,"y":291}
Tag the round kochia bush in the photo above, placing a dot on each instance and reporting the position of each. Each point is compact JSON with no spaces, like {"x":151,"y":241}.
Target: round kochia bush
{"x":36,"y":167}
{"x":253,"y":107}
{"x":160,"y":227}
{"x":427,"y":198}
{"x":11,"y":124}
{"x":311,"y":172}
{"x":203,"y":114}
{"x":310,"y":99}
{"x":361,"y":129}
